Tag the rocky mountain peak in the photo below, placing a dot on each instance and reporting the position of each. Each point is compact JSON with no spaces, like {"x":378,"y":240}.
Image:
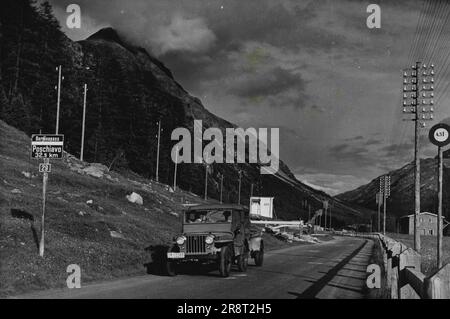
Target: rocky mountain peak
{"x":107,"y":34}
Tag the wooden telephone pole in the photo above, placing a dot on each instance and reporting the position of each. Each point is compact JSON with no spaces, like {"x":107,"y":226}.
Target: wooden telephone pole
{"x":157,"y":151}
{"x":58,"y":101}
{"x":418,"y":87}
{"x":221,"y":188}
{"x":240,"y":180}
{"x":83,"y":125}
{"x":175,"y":170}
{"x":378,"y":199}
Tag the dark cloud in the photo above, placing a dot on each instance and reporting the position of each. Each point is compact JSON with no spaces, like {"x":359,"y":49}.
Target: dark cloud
{"x":270,"y":83}
{"x":339,"y":148}
{"x":373,"y":141}
{"x":355,"y":138}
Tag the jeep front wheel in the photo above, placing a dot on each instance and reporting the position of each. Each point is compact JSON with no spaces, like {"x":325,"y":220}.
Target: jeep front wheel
{"x":225,"y":261}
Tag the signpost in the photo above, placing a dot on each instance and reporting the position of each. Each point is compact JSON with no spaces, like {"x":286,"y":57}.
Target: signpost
{"x":46,"y":147}
{"x":439,"y":135}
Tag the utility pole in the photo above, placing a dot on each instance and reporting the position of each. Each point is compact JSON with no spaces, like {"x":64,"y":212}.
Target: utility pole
{"x":58,"y":102}
{"x":175,"y":172}
{"x":382,"y":202}
{"x":325,"y":208}
{"x":84,"y":122}
{"x":320,"y":219}
{"x":418,"y":87}
{"x":386,"y":194}
{"x":378,"y":200}
{"x":239,"y":195}
{"x":330,"y":218}
{"x":157,"y":152}
{"x":206,"y":180}
{"x":221,"y":187}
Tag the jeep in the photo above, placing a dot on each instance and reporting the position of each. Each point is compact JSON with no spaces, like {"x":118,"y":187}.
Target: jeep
{"x":220,"y":234}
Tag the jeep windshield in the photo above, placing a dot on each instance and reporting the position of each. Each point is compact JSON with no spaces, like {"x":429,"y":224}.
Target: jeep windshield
{"x":207,"y":216}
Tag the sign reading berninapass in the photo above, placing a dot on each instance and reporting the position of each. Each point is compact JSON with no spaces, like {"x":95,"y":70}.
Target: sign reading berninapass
{"x":49,"y":146}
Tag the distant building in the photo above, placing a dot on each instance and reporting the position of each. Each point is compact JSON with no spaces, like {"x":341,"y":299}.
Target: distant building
{"x":427,"y":224}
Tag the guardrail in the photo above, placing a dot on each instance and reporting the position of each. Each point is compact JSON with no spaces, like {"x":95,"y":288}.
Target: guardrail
{"x":404,"y":279}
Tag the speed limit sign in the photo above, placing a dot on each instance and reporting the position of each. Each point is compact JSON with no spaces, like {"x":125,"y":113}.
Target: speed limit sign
{"x":439,"y":134}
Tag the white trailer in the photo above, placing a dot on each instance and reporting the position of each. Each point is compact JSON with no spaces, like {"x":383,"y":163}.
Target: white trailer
{"x":261,"y":206}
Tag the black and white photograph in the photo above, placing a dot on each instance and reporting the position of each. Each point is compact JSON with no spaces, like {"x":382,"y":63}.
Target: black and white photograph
{"x":225,"y":155}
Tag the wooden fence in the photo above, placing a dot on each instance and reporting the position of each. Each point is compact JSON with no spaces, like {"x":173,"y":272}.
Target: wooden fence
{"x":404,"y":279}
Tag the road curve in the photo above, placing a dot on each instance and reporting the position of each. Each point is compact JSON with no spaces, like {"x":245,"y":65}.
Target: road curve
{"x":330,"y":270}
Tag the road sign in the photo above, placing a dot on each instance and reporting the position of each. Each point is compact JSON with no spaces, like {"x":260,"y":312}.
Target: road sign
{"x":439,"y":134}
{"x":47,"y":146}
{"x":45,"y":168}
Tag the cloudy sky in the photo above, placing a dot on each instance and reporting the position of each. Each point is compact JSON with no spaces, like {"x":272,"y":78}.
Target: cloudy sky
{"x":310,"y":67}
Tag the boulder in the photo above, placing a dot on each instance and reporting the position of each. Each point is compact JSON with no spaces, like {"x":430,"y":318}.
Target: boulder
{"x":115,"y":234}
{"x":112,"y":179}
{"x":26,"y":174}
{"x":93,"y":171}
{"x":135,"y":198}
{"x":100,"y":167}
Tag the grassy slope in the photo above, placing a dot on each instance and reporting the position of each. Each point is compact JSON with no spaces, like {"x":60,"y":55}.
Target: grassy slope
{"x":428,"y":250}
{"x":70,"y":237}
{"x":73,"y":238}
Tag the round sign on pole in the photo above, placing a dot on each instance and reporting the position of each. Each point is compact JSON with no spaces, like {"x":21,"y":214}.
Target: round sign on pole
{"x":439,"y":134}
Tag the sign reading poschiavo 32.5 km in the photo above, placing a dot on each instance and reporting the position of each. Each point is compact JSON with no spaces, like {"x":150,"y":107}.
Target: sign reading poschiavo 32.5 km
{"x":49,"y":146}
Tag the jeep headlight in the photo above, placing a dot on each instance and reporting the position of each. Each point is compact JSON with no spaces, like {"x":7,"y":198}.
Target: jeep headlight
{"x":180,"y":240}
{"x":209,"y":239}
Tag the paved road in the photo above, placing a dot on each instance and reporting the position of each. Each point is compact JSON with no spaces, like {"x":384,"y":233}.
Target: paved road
{"x":334,"y":269}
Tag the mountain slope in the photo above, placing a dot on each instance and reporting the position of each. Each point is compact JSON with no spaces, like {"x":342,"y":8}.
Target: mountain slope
{"x":89,"y":221}
{"x":129,"y":91}
{"x":401,"y":201}
{"x":107,"y":43}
